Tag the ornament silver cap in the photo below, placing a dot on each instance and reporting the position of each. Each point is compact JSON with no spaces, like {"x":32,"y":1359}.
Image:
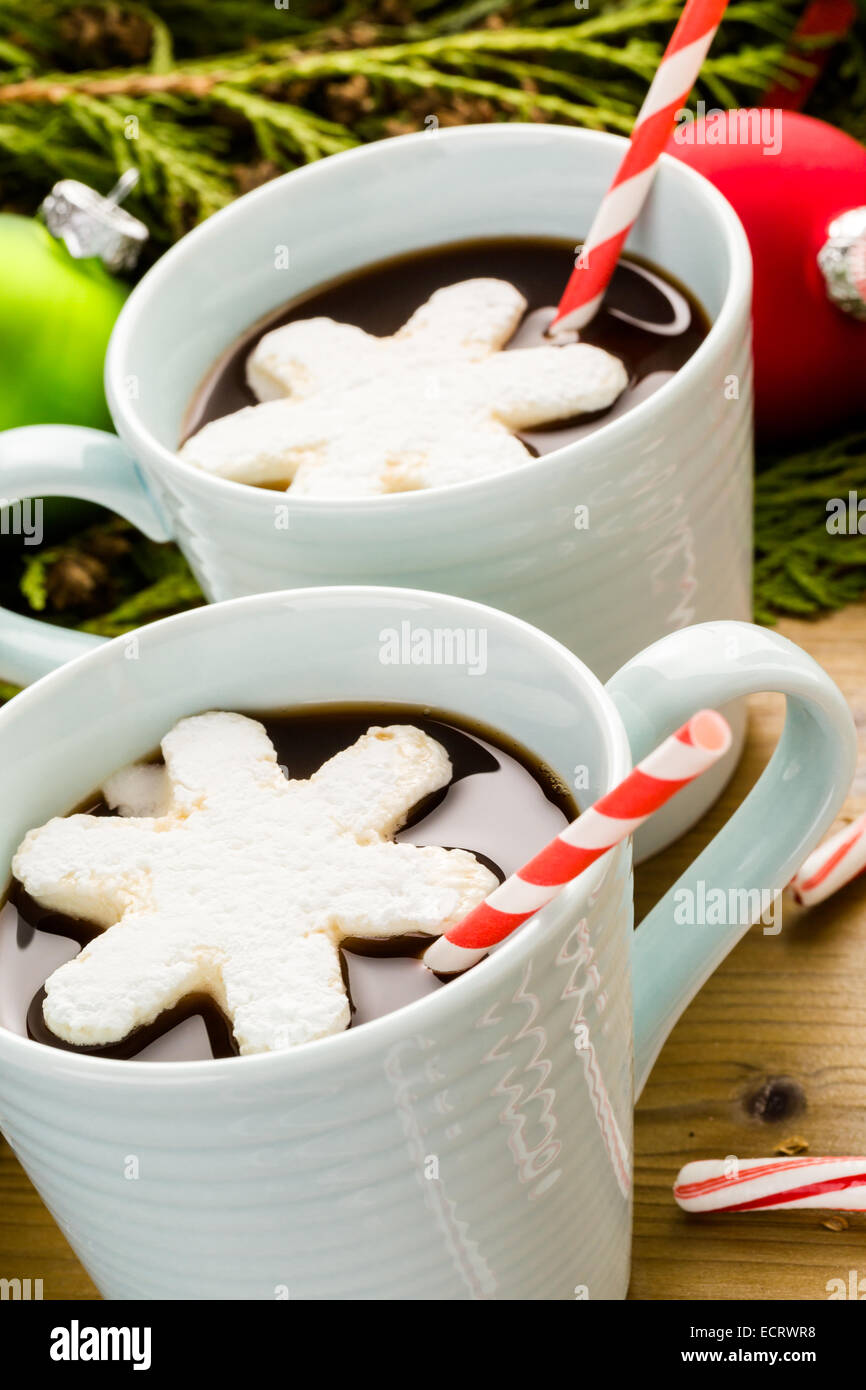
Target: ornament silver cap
{"x":842,"y":260}
{"x":92,"y":225}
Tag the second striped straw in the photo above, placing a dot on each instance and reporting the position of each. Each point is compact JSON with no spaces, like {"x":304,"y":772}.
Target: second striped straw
{"x":694,"y":748}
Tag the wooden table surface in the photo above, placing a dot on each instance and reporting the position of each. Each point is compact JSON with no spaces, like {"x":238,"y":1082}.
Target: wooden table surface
{"x":773,"y":1049}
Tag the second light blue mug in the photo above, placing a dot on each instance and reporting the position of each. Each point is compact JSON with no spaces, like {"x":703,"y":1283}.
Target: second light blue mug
{"x":478,"y":1143}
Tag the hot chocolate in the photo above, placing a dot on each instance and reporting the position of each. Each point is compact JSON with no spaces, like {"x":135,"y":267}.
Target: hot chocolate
{"x":499,"y":804}
{"x":433,"y":324}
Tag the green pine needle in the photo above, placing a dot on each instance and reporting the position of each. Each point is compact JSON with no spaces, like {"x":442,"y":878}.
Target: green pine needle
{"x":207,"y":97}
{"x":802,"y":568}
{"x":247,"y":84}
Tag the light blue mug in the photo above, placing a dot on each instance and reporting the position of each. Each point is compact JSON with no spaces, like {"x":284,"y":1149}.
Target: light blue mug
{"x":477,"y":1144}
{"x":666,"y":487}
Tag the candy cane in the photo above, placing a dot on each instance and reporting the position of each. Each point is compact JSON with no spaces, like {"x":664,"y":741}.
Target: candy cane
{"x":693,"y":749}
{"x":674,"y":79}
{"x":832,"y":864}
{"x":750,"y":1184}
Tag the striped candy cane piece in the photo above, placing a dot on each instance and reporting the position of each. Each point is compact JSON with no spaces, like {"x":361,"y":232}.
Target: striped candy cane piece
{"x":673,"y":765}
{"x":832,"y":864}
{"x":827,"y":20}
{"x":674,"y":79}
{"x":751,"y":1184}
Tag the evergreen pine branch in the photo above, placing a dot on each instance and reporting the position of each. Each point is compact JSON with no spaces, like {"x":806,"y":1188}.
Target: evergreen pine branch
{"x":611,"y":94}
{"x":227,"y":90}
{"x":173,"y":593}
{"x":776,"y":19}
{"x":281,"y":128}
{"x":410,"y":77}
{"x":207,"y":111}
{"x":802,"y":568}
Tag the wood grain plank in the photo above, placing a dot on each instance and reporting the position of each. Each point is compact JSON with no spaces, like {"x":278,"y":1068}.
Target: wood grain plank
{"x":31,"y":1246}
{"x":783,"y":1017}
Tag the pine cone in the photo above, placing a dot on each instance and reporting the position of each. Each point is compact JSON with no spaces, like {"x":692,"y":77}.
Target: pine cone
{"x":107,"y":544}
{"x":76,"y":581}
{"x":349,"y":99}
{"x":110,"y":37}
{"x":250,"y":176}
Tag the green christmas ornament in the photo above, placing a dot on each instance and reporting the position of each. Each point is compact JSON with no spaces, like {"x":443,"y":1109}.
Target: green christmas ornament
{"x":59,"y":300}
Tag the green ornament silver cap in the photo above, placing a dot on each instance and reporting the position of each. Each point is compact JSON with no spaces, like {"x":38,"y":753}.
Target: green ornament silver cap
{"x":842,"y":260}
{"x":92,"y":225}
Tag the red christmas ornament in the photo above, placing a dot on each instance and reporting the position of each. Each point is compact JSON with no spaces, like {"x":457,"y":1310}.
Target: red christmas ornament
{"x":799,"y":187}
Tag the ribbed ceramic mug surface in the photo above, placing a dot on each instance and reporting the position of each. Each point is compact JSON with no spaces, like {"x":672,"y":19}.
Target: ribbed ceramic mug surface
{"x":476,"y":1144}
{"x":666,"y":538}
{"x":446,"y":1151}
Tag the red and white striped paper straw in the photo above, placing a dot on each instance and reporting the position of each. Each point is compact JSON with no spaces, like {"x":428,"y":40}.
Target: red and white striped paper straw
{"x":699,"y":744}
{"x":619,"y":209}
{"x":753,"y":1184}
{"x":832,"y":864}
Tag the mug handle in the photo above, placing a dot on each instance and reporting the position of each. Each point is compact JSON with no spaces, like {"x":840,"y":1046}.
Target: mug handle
{"x":66,"y":461}
{"x":767,"y":838}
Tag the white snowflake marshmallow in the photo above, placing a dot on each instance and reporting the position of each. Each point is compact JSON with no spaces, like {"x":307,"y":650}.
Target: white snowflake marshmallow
{"x":346,"y":414}
{"x":243,"y":883}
